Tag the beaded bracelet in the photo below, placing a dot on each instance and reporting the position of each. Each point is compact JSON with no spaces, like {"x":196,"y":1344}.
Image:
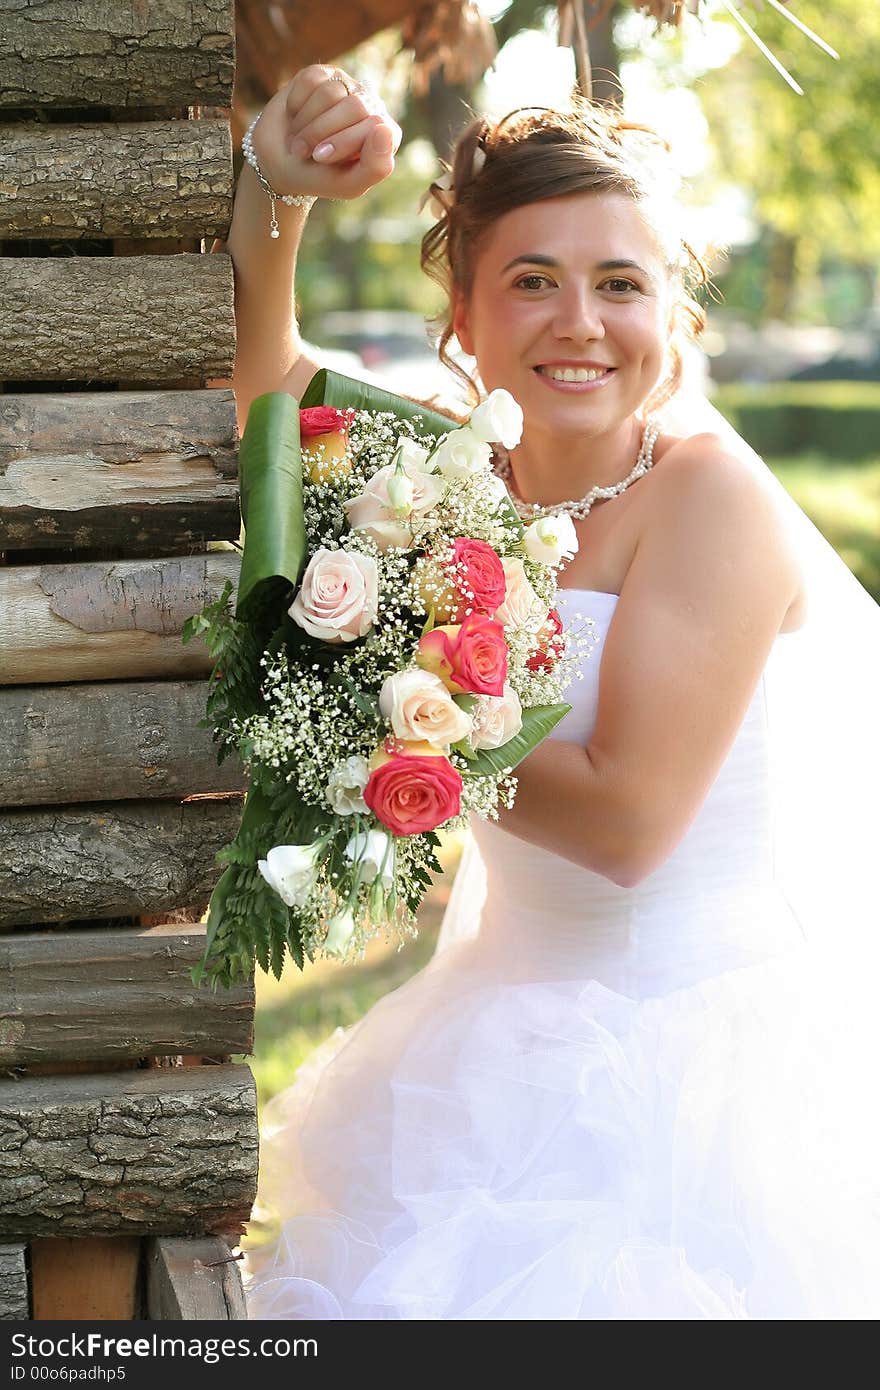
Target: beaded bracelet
{"x":294,"y":200}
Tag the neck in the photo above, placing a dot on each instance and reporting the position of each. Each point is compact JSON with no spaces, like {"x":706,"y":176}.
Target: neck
{"x":548,"y":471}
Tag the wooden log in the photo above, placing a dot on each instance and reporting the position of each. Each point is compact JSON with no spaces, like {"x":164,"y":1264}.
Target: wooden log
{"x":113,"y":993}
{"x":122,"y":427}
{"x":147,"y":179}
{"x":108,"y":742}
{"x":112,"y":859}
{"x":108,"y":318}
{"x":76,"y":501}
{"x":86,"y":1279}
{"x":159,"y":1152}
{"x":80,"y":53}
{"x":193,"y":1280}
{"x":99,"y":621}
{"x":14,"y":1304}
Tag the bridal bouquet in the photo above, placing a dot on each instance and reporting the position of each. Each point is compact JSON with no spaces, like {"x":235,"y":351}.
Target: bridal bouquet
{"x":393,"y":655}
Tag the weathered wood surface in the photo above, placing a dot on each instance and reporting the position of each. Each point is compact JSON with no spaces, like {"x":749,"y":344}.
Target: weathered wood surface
{"x":116,"y":992}
{"x":159,"y":1152}
{"x":78,"y":1279}
{"x":112,"y":620}
{"x":109,"y":318}
{"x":113,"y":859}
{"x":81,"y":501}
{"x":193,"y":1280}
{"x":147,"y":179}
{"x":13,"y":1283}
{"x":125,"y":739}
{"x":116,"y":53}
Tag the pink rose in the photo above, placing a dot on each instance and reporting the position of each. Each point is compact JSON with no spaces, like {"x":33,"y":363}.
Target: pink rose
{"x":411,"y":792}
{"x":338,"y":599}
{"x":469,"y":658}
{"x":478,"y":571}
{"x":373,"y":511}
{"x":551,"y":644}
{"x":323,"y":419}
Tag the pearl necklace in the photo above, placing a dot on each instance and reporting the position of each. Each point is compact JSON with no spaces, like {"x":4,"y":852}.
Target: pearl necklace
{"x":579,"y":508}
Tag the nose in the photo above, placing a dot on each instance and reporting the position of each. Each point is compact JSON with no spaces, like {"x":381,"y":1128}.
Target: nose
{"x":578,"y":314}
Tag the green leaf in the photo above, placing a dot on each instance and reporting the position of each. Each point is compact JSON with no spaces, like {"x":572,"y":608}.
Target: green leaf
{"x":537,"y":723}
{"x":344,"y":393}
{"x":270,"y":480}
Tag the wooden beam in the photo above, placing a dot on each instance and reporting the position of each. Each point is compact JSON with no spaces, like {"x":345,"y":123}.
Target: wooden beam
{"x":112,"y":859}
{"x":106,"y":620}
{"x":82,"y":1279}
{"x":113,"y":318}
{"x":159,"y":1152}
{"x":147,"y":179}
{"x":115,"y":993}
{"x":81,"y":53}
{"x":193,"y":1281}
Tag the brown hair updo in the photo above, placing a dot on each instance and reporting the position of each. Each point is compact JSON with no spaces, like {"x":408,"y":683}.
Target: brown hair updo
{"x":536,"y":153}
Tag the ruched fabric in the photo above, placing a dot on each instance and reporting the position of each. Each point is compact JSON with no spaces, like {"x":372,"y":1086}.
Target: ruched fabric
{"x":594,"y":1102}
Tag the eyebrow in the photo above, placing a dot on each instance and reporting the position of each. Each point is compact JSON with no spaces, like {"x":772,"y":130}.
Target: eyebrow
{"x":537,"y":259}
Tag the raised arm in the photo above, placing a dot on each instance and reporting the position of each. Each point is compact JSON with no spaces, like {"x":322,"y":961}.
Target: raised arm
{"x":319,"y":107}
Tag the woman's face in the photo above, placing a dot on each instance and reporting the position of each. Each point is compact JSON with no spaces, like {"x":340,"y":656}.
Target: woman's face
{"x":570,"y":311}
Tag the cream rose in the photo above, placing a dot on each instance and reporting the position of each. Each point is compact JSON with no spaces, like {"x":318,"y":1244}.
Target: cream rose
{"x":522,"y":608}
{"x":373,"y":510}
{"x":345,"y":786}
{"x":551,"y":538}
{"x":496,"y":719}
{"x":338,"y":598}
{"x":371,"y":849}
{"x":420,"y":707}
{"x":291,"y":870}
{"x":413,"y":456}
{"x":460,"y":454}
{"x":498,"y":420}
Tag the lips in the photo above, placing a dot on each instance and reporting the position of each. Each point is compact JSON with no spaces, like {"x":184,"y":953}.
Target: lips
{"x":580,"y":372}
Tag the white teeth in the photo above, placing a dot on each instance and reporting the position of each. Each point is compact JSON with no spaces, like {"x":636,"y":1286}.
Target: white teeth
{"x":573,"y":373}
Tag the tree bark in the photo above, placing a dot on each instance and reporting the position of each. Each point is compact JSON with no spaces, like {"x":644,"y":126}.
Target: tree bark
{"x":147,"y":179}
{"x":135,"y":1152}
{"x":112,"y":859}
{"x":122,"y":53}
{"x":13,"y":1284}
{"x":112,"y":318}
{"x":102,"y":621}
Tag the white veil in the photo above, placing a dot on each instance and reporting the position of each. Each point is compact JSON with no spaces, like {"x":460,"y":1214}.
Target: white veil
{"x":822,"y":687}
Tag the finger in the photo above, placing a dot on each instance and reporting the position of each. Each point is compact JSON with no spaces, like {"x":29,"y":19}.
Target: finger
{"x":375,"y":164}
{"x":354,"y":110}
{"x":301,"y":87}
{"x":332,"y":92}
{"x":345,"y":144}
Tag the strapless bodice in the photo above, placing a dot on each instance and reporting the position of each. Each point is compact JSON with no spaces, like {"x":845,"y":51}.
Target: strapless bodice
{"x":711,"y":906}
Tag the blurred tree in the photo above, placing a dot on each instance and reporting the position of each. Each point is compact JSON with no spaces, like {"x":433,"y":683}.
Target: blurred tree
{"x":811,"y":162}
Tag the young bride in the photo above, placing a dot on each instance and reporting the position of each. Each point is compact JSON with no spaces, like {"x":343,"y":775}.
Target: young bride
{"x":638,"y":1079}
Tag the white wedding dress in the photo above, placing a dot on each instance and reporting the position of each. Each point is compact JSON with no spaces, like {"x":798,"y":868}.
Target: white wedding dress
{"x":595,"y":1101}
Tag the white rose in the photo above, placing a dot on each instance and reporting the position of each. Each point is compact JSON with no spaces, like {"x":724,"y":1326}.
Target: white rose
{"x":291,"y":870}
{"x":373,"y":511}
{"x":460,"y":454}
{"x":340,"y":930}
{"x":496,"y":490}
{"x":338,"y":599}
{"x":420,"y":708}
{"x":521,"y":607}
{"x":345,"y":784}
{"x":498,"y":420}
{"x":401,"y":493}
{"x":497,"y":719}
{"x":369,"y":847}
{"x":551,"y":538}
{"x":413,"y":456}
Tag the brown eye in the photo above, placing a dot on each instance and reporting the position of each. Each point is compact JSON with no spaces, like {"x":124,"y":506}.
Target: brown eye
{"x":531,"y":282}
{"x":620,"y":286}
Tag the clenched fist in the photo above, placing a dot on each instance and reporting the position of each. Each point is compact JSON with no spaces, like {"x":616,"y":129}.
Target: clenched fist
{"x":325,"y":134}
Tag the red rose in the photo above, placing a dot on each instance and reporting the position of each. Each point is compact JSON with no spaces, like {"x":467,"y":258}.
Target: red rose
{"x":411,"y":793}
{"x":323,"y":419}
{"x":478,"y":572}
{"x":550,"y":644}
{"x":469,"y":658}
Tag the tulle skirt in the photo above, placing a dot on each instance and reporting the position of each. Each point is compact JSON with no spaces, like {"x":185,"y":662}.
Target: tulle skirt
{"x":482,"y":1147}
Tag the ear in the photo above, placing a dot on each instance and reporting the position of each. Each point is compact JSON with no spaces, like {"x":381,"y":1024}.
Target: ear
{"x":461,"y":324}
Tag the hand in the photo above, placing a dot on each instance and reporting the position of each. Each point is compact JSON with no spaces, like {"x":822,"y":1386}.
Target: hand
{"x":314,"y":136}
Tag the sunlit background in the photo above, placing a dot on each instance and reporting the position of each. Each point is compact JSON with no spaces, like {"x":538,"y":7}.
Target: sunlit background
{"x":784,"y":192}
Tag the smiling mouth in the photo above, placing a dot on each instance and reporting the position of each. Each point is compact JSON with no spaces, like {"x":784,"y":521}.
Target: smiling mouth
{"x":574,"y":374}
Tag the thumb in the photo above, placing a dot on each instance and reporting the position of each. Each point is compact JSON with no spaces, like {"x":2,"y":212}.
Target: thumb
{"x":380,"y":141}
